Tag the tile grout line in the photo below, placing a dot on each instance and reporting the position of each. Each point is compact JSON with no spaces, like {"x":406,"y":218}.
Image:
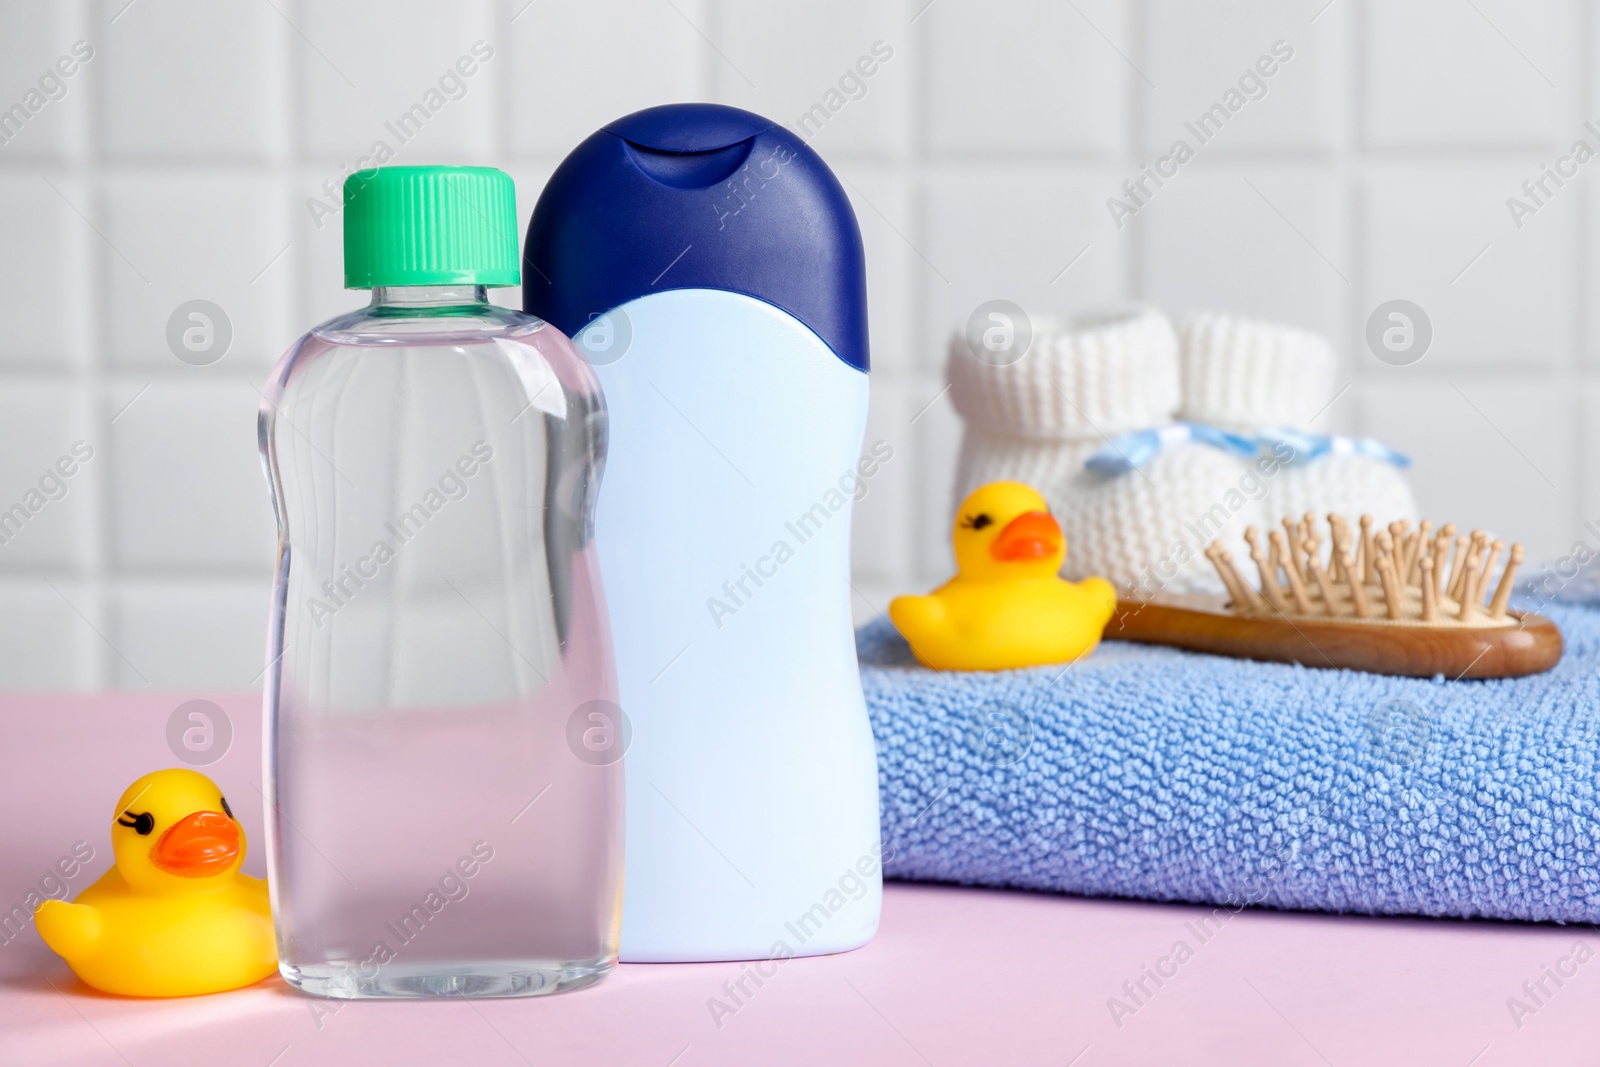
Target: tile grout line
{"x":89,"y":171}
{"x":1138,"y":106}
{"x":1576,"y":504}
{"x":919,"y":307}
{"x":908,"y":170}
{"x":1350,"y":199}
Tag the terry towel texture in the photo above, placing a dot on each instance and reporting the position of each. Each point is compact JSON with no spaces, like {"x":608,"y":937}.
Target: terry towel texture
{"x":1151,"y":773}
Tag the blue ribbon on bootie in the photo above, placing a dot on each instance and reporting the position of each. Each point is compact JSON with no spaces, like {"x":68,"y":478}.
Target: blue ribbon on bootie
{"x":1132,"y":450}
{"x":1310,"y":446}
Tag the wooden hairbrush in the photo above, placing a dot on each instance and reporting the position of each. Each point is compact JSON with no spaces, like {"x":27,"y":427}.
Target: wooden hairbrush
{"x":1395,"y":601}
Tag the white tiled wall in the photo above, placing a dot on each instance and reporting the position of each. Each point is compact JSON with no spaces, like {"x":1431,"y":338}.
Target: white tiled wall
{"x":179,"y":162}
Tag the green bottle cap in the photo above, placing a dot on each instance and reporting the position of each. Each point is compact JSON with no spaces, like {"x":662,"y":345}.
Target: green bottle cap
{"x":430,"y":226}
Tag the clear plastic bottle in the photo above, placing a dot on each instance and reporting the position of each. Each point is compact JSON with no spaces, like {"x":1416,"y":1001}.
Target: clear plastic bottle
{"x":442,"y":743}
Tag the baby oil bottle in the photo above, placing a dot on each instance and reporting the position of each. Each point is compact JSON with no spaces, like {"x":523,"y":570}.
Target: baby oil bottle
{"x":443,"y":746}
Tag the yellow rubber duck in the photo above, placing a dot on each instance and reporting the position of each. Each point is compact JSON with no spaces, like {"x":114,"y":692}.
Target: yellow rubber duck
{"x":1007,"y":606}
{"x":173,"y":917}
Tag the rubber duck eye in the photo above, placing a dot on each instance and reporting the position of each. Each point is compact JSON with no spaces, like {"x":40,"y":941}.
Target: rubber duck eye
{"x":142,"y":824}
{"x":979,"y":521}
{"x":225,"y":809}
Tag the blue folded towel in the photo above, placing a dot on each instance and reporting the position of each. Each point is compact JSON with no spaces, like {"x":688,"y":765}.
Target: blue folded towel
{"x":1148,"y":772}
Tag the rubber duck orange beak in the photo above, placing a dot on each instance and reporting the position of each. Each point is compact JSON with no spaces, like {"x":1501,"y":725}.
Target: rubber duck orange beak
{"x":198,"y":845}
{"x":1031,"y":535}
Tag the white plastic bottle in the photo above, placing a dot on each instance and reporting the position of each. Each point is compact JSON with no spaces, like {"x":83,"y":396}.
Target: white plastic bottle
{"x":708,"y":263}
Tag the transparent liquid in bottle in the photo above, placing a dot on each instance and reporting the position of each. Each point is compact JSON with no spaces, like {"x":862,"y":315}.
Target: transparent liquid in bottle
{"x":443,"y":747}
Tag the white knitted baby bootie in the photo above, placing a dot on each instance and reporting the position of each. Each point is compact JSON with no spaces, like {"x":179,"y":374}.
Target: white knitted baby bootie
{"x":1087,"y":387}
{"x":1272,"y":381}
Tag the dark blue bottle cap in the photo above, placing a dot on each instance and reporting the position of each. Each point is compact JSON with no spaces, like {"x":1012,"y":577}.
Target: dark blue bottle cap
{"x":697,"y":196}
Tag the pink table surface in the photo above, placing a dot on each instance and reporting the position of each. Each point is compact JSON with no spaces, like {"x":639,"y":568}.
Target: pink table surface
{"x":956,"y":976}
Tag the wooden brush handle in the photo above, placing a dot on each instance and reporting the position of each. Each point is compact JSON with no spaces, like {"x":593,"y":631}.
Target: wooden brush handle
{"x":1203,"y":623}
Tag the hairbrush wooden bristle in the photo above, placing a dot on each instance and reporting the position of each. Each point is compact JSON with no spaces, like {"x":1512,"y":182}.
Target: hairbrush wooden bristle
{"x":1399,"y":600}
{"x":1394,"y":575}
